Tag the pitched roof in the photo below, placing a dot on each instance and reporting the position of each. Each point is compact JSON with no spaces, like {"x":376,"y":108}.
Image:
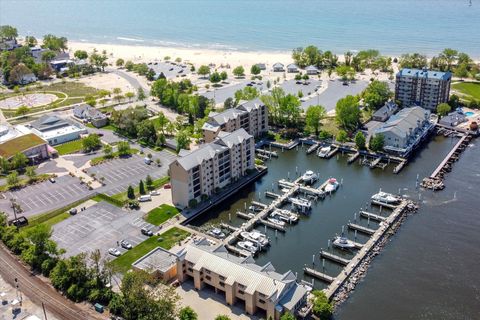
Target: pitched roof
{"x":404,"y":121}
{"x":48,"y":122}
{"x":230,"y":139}
{"x":311,"y":68}
{"x":20,"y":144}
{"x":292,"y":66}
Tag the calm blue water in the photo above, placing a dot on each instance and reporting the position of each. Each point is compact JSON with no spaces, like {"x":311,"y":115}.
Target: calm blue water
{"x":392,"y":26}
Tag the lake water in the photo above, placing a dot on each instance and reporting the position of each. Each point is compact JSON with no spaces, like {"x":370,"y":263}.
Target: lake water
{"x":429,"y":270}
{"x":392,"y":26}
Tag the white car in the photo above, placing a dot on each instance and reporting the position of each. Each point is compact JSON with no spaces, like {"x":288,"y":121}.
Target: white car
{"x":154,"y":193}
{"x":114,"y":252}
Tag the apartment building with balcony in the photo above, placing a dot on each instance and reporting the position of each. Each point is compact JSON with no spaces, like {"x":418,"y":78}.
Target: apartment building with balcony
{"x":202,"y":172}
{"x":424,"y":88}
{"x":251,"y":116}
{"x":260,"y":288}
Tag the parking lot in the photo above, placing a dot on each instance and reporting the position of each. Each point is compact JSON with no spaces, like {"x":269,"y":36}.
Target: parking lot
{"x":100,"y":227}
{"x":122,"y":172}
{"x":170,"y":70}
{"x":228,"y":91}
{"x":46,"y":196}
{"x":308,"y":87}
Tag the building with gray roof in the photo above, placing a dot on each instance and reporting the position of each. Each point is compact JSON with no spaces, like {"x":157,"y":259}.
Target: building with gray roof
{"x":424,"y":88}
{"x":159,"y":262}
{"x":91,"y":114}
{"x":278,"y":67}
{"x":56,"y":130}
{"x":382,"y":114}
{"x":240,"y":279}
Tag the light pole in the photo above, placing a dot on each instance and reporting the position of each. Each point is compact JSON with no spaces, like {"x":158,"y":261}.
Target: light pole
{"x":16,"y":207}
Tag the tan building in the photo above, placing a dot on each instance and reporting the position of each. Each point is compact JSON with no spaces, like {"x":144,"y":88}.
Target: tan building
{"x":15,"y":140}
{"x":261,"y":288}
{"x":214,"y":165}
{"x":159,"y":262}
{"x":251,"y":116}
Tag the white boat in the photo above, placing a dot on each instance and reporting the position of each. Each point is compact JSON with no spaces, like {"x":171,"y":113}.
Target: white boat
{"x":285,"y":215}
{"x":343,"y":243}
{"x":248,"y":245}
{"x":256,"y":237}
{"x":285,"y":190}
{"x":332,"y":185}
{"x":323,"y":152}
{"x":276,"y":221}
{"x":216,"y":233}
{"x":254,"y":209}
{"x":385,"y":197}
{"x":309,"y":177}
{"x":301,"y":204}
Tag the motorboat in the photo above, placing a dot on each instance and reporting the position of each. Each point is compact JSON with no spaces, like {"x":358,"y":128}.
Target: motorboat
{"x":309,"y":177}
{"x":285,"y":215}
{"x":216,"y":233}
{"x":323,"y":152}
{"x":248,"y":245}
{"x":343,"y":243}
{"x":276,"y":221}
{"x":301,"y":204}
{"x":256,"y":237}
{"x":332,"y":185}
{"x":385,"y":197}
{"x":254,"y":209}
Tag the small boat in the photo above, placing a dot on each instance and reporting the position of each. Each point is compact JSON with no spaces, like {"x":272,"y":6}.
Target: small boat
{"x":385,"y":197}
{"x":323,"y":152}
{"x":256,"y":237}
{"x":301,"y":204}
{"x":343,"y":243}
{"x":248,"y":245}
{"x":285,"y":190}
{"x":309,"y":177}
{"x":332,"y":185}
{"x":276,"y":221}
{"x":285,"y":215}
{"x":216,"y":233}
{"x":254,"y":209}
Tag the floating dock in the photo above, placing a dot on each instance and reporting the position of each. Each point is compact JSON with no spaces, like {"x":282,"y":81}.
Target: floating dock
{"x":334,"y":258}
{"x":383,"y":204}
{"x":273,"y":195}
{"x":353,"y":157}
{"x":244,"y":215}
{"x":372,"y":216}
{"x":319,"y":275}
{"x":313,"y":148}
{"x":267,"y":153}
{"x":360,"y":228}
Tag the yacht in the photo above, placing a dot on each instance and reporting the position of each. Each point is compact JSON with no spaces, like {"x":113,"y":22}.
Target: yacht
{"x":249,"y":246}
{"x":285,"y":215}
{"x":332,"y":185}
{"x":323,"y":152}
{"x":309,"y":177}
{"x":343,"y":243}
{"x":216,"y":233}
{"x":256,"y":237}
{"x":385,"y":197}
{"x":276,"y":221}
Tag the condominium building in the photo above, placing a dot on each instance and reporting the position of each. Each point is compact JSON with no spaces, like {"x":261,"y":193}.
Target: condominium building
{"x":424,"y":88}
{"x":212,"y":166}
{"x":261,"y":288}
{"x":251,"y":116}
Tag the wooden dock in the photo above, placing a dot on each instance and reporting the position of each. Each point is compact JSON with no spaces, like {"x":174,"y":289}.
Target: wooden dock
{"x":243,"y":215}
{"x":383,"y":204}
{"x":318,"y":275}
{"x":238,"y":251}
{"x":353,"y":157}
{"x":267,"y":153}
{"x":228,"y":227}
{"x":448,"y":158}
{"x":372,"y":216}
{"x":334,"y":258}
{"x":375,"y":162}
{"x":313,"y":148}
{"x":332,"y":152}
{"x":273,"y":195}
{"x":259,"y":204}
{"x":360,"y":228}
{"x":399,"y":166}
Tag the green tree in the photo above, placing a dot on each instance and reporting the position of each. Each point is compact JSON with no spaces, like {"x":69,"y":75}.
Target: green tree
{"x":224,"y":75}
{"x":376,"y":94}
{"x":150,"y":74}
{"x":30,"y":173}
{"x":377,"y":142}
{"x":342,"y":136}
{"x":19,"y":161}
{"x":461,"y":71}
{"x":31,"y":41}
{"x":146,"y":131}
{"x":91,"y":142}
{"x":222,"y":317}
{"x":99,"y":60}
{"x":141,"y":187}
{"x":123,"y":148}
{"x":187,"y":313}
{"x":449,"y":56}
{"x":255,"y":70}
{"x":130,"y":193}
{"x":183,"y":140}
{"x":8,"y":32}
{"x":247,"y":93}
{"x":413,"y":61}
{"x":345,"y":72}
{"x":149,"y":182}
{"x":22,"y":110}
{"x":129,"y":65}
{"x":215,"y":77}
{"x":54,"y":43}
{"x":228,"y":103}
{"x":239,"y":72}
{"x":12,"y":178}
{"x":322,"y":308}
{"x":288,"y":316}
{"x":18,"y":73}
{"x":203,"y":71}
{"x":360,"y":141}
{"x":141,"y":94}
{"x":443,"y":109}
{"x":129,"y":95}
{"x":313,"y":117}
{"x":120,"y":62}
{"x":81,"y":54}
{"x":347,"y":113}
{"x":4,"y":165}
{"x":107,"y":150}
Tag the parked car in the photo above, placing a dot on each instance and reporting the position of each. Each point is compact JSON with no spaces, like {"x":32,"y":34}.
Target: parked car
{"x":114,"y":252}
{"x":167,"y":186}
{"x":51,"y":179}
{"x":126,"y":245}
{"x":147,"y":232}
{"x":154,"y":193}
{"x":145,"y":198}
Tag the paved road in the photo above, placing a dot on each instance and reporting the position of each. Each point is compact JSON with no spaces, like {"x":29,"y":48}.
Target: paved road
{"x":38,"y":291}
{"x":132,"y":80}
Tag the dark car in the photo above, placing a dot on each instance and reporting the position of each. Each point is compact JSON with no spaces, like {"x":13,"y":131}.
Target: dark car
{"x":51,"y":179}
{"x":345,"y":83}
{"x":147,"y":232}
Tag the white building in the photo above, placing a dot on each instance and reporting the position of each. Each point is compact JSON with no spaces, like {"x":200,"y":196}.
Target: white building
{"x":56,"y":130}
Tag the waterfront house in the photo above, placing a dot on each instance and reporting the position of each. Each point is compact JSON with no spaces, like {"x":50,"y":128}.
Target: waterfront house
{"x":424,"y":88}
{"x":197,"y":174}
{"x":259,"y":288}
{"x":311,"y":70}
{"x":278,"y":67}
{"x":388,"y":109}
{"x":292,"y":68}
{"x":453,"y":119}
{"x":404,"y":130}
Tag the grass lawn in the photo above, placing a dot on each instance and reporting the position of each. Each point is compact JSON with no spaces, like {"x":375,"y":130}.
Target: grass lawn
{"x":468,"y":88}
{"x":25,"y":182}
{"x":166,"y":240}
{"x":328,"y":124}
{"x":122,"y":196}
{"x":69,"y":147}
{"x":100,"y":159}
{"x":279,"y":139}
{"x":161,"y":214}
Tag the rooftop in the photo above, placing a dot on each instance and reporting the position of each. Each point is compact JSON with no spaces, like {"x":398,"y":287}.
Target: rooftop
{"x":156,"y":260}
{"x":424,"y":73}
{"x":20,"y":144}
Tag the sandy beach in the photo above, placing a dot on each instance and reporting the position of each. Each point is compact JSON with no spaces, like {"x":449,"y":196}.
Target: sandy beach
{"x":196,"y":56}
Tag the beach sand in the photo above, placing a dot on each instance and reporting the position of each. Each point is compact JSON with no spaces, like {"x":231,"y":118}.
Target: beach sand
{"x":195,"y":56}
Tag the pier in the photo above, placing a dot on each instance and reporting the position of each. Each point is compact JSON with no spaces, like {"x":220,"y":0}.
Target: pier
{"x":372,"y":216}
{"x":268,"y":154}
{"x":272,"y":225}
{"x":383,"y":204}
{"x":334,"y":258}
{"x":360,"y":228}
{"x":244,"y":215}
{"x":273,"y":195}
{"x":319,"y":275}
{"x":313,"y":148}
{"x":353,"y":157}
